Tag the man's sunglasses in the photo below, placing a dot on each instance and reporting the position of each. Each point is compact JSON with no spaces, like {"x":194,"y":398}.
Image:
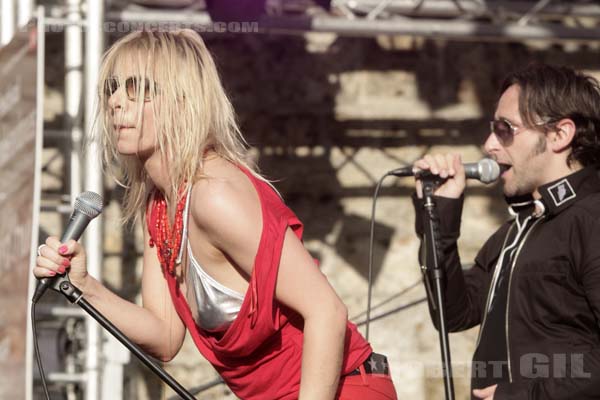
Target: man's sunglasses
{"x":132,"y":85}
{"x":505,"y":131}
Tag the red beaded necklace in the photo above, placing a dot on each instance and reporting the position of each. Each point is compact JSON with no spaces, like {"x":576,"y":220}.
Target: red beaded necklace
{"x":166,"y":238}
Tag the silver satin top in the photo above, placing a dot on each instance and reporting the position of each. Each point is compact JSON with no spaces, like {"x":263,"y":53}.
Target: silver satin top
{"x":213,"y":306}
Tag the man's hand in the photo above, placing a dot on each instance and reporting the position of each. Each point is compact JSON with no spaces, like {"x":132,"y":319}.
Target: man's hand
{"x":485,"y":393}
{"x":449,"y":167}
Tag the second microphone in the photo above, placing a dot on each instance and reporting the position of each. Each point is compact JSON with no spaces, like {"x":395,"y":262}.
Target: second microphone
{"x":485,"y":170}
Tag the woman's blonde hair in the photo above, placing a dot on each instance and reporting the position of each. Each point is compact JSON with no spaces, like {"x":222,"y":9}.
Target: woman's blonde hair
{"x":191,"y":112}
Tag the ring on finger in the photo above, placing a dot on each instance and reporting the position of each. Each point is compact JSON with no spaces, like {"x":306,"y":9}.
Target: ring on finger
{"x":40,"y":249}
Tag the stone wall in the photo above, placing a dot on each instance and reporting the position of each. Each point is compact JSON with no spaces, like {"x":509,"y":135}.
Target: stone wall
{"x":327,"y":117}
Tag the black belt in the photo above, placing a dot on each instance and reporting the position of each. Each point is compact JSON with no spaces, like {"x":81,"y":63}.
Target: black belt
{"x":375,"y":364}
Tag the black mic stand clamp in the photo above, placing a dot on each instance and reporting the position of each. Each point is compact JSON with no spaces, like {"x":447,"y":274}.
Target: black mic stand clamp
{"x":433,"y":270}
{"x":63,"y":285}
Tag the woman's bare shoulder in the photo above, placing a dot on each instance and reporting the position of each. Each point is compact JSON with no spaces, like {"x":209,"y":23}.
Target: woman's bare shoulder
{"x":224,"y":194}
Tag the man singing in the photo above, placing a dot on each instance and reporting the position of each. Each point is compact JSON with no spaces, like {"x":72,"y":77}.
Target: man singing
{"x":535,"y":284}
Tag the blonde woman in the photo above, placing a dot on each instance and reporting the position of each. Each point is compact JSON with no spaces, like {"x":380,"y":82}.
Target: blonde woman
{"x":223,"y":256}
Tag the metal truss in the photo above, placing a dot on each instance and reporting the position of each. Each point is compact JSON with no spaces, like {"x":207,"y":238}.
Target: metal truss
{"x":474,"y":19}
{"x":450,"y":19}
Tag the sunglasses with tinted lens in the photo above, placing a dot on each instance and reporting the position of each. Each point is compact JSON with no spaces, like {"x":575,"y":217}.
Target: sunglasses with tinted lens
{"x":132,"y":85}
{"x":503,"y":130}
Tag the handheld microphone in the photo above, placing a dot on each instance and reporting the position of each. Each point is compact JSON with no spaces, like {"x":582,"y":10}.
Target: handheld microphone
{"x":88,"y":206}
{"x":486,"y":171}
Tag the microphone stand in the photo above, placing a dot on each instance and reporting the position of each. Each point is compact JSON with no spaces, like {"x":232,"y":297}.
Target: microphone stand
{"x":63,"y":285}
{"x":433,"y":268}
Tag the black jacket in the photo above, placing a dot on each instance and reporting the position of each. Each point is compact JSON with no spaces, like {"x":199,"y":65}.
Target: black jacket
{"x":553,"y":308}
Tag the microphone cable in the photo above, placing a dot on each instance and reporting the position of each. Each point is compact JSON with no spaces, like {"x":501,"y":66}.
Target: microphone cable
{"x":371,"y":243}
{"x":37,"y":351}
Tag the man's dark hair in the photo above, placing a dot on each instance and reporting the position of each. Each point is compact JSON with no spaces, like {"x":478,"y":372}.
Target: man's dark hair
{"x":550,"y":93}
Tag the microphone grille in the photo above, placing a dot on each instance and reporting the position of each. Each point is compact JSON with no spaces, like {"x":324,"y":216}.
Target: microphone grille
{"x":89,"y":203}
{"x":489,"y":170}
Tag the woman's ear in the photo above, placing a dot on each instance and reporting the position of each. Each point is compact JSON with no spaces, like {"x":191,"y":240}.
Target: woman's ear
{"x":562,"y":135}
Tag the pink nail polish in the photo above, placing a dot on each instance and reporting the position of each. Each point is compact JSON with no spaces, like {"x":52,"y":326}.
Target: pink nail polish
{"x":61,"y":270}
{"x":62,"y":249}
{"x":51,"y":273}
{"x":66,"y":262}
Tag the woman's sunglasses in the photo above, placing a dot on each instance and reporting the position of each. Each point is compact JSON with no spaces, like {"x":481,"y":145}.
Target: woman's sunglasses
{"x":132,"y":85}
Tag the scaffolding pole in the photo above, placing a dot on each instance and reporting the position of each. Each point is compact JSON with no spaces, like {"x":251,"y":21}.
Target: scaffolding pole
{"x":37,"y":185}
{"x":432,"y":28}
{"x":7,"y":21}
{"x":25,"y":9}
{"x":73,"y":94}
{"x":94,"y":45}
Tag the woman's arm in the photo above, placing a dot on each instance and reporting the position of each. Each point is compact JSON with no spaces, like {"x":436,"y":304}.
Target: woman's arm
{"x":303,"y":287}
{"x":155,"y":327}
{"x":229,"y":213}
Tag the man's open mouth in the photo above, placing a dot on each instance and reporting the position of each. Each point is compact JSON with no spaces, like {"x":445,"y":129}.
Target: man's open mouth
{"x":504,"y":168}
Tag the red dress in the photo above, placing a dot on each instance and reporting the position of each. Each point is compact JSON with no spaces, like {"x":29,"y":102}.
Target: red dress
{"x":259,"y":356}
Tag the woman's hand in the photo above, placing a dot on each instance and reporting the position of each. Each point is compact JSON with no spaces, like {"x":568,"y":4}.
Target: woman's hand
{"x":57,"y":258}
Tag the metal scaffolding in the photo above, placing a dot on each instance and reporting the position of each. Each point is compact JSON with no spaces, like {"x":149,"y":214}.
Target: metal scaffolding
{"x":449,"y":19}
{"x":84,"y":44}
